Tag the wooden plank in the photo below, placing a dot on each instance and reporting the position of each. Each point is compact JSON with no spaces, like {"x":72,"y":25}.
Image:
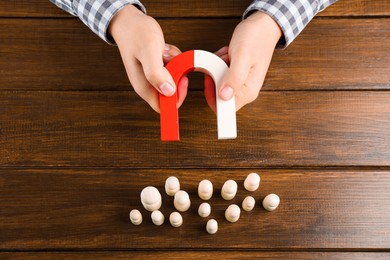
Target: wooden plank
{"x":334,"y":54}
{"x":118,"y":129}
{"x":358,"y":8}
{"x":33,"y":8}
{"x":64,"y":55}
{"x":62,"y":209}
{"x":176,"y":8}
{"x":194,"y":255}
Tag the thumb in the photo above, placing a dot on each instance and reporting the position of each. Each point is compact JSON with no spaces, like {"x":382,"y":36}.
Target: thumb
{"x":156,"y":74}
{"x":235,"y":77}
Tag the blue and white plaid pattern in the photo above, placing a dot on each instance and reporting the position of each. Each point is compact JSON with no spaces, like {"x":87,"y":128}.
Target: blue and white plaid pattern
{"x":96,"y":14}
{"x":291,"y":15}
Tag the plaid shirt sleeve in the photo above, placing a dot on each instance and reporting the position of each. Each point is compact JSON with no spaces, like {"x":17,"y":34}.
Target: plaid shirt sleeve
{"x":291,"y":15}
{"x":96,"y":14}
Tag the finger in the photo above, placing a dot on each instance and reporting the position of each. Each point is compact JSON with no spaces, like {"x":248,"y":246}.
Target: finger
{"x":251,"y":88}
{"x":141,"y":85}
{"x":224,"y":50}
{"x":170,"y":51}
{"x":209,"y":85}
{"x":182,"y":89}
{"x":154,"y":70}
{"x":226,"y":59}
{"x":234,"y":78}
{"x":209,"y":92}
{"x":223,"y":54}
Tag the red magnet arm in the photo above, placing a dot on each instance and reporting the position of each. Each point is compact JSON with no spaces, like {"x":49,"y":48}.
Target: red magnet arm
{"x":169,"y":114}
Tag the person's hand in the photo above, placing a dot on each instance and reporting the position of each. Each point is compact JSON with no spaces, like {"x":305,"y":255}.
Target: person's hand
{"x":248,"y":56}
{"x":143,"y":50}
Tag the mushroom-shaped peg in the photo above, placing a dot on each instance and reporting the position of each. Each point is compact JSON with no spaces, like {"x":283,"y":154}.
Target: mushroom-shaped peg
{"x":229,"y":190}
{"x":271,"y":202}
{"x":182,"y":201}
{"x":232,"y":213}
{"x":248,"y":203}
{"x":212,"y":226}
{"x":157,"y":218}
{"x":172,"y":185}
{"x":135,"y":217}
{"x":175,"y":219}
{"x":151,"y":198}
{"x":252,"y":182}
{"x":204,"y":210}
{"x":205,"y":189}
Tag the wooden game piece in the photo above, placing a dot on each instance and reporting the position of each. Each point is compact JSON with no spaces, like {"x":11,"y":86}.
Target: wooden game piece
{"x":151,"y":198}
{"x":252,"y":182}
{"x":248,"y":203}
{"x":212,"y":226}
{"x":135,"y":217}
{"x":172,"y":185}
{"x":157,"y":218}
{"x":232,"y":213}
{"x":205,"y":190}
{"x":204,"y":210}
{"x":182,"y":201}
{"x":271,"y":202}
{"x":229,"y":190}
{"x":175,"y":219}
{"x":214,"y":66}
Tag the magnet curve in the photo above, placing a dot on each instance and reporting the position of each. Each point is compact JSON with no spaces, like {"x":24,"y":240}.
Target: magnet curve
{"x":211,"y":64}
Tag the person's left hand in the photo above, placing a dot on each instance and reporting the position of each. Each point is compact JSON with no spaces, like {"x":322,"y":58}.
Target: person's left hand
{"x":248,"y":56}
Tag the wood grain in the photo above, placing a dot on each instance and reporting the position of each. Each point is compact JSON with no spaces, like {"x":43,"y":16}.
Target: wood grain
{"x":118,"y":129}
{"x":176,"y":8}
{"x":73,"y":209}
{"x":196,"y":255}
{"x":64,"y":55}
{"x":77,"y":145}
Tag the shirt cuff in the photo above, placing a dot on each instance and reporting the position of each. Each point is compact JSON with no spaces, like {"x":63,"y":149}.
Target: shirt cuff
{"x":97,"y":14}
{"x":291,"y":15}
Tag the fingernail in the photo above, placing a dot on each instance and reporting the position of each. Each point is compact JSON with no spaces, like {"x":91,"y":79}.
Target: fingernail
{"x":167,"y":89}
{"x":226,"y":93}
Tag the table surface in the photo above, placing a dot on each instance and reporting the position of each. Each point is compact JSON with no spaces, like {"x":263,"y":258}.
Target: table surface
{"x":77,"y":145}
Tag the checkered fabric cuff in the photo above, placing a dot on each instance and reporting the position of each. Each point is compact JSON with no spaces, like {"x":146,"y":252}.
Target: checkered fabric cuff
{"x":96,"y":14}
{"x":291,"y":15}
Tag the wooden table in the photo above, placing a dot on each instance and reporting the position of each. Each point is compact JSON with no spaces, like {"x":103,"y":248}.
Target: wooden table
{"x":77,"y":145}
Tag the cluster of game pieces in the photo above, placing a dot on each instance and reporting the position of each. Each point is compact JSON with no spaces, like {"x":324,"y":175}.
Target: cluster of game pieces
{"x":151,"y":201}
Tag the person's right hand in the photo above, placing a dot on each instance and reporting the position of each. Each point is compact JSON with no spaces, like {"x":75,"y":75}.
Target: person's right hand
{"x":142,"y":46}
